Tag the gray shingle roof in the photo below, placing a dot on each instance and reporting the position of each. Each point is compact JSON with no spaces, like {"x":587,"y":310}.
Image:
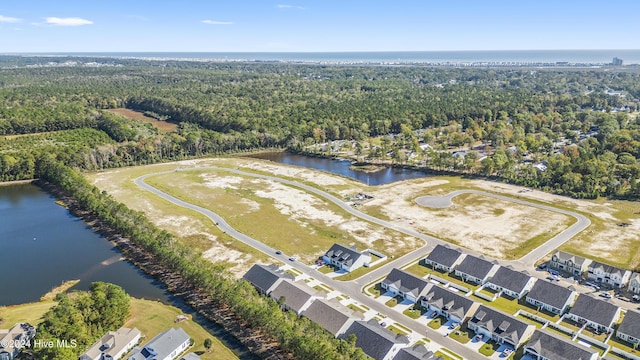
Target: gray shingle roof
{"x":474,"y":266}
{"x":500,"y":323}
{"x":342,"y":254}
{"x":406,"y":282}
{"x":263,"y":277}
{"x":444,"y":255}
{"x":598,"y":311}
{"x":607,"y":268}
{"x":631,"y":324}
{"x":330,"y":314}
{"x":556,"y":348}
{"x":374,"y":340}
{"x":442,"y":298}
{"x":417,"y":352}
{"x":567,"y":256}
{"x":510,"y":279}
{"x":549,"y":293}
{"x":295,"y":294}
{"x":163,"y":344}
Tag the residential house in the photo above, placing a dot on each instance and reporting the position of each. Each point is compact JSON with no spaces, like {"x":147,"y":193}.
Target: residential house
{"x":376,"y":341}
{"x":402,"y":283}
{"x":13,"y":340}
{"x":500,"y":327}
{"x":296,"y":296}
{"x":570,"y":263}
{"x":545,"y":346}
{"x":266,"y":278}
{"x":510,"y":282}
{"x":608,"y":274}
{"x":551,"y":297}
{"x":451,"y":305}
{"x":331,"y":315}
{"x":444,"y":258}
{"x":597,"y":314}
{"x":634,"y":283}
{"x":476,"y":269}
{"x":629,"y":329}
{"x":416,"y":352}
{"x":345,"y":258}
{"x":113,"y":345}
{"x":168,"y":345}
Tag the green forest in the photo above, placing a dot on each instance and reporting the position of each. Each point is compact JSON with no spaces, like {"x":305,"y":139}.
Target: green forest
{"x":570,"y":131}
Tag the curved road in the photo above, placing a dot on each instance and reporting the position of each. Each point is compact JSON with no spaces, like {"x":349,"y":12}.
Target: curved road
{"x":346,"y":287}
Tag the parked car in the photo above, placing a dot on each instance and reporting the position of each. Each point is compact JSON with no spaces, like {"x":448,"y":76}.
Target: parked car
{"x":554,"y":273}
{"x":507,"y":352}
{"x":292,"y":259}
{"x":542,"y":266}
{"x":605,"y":295}
{"x":636,"y":298}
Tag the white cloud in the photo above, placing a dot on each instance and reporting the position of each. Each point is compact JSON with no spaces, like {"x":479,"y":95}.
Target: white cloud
{"x":281,"y":6}
{"x":72,"y":21}
{"x":214,"y":22}
{"x":7,"y":19}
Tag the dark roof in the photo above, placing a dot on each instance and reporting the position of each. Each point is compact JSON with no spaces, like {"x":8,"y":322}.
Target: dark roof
{"x":607,"y":268}
{"x":631,"y":324}
{"x":444,"y":255}
{"x":343,"y":254}
{"x":405,"y":282}
{"x":567,"y":256}
{"x":330,"y":314}
{"x":375,"y":340}
{"x":510,"y":279}
{"x":598,"y":311}
{"x":500,"y":323}
{"x":550,"y":294}
{"x":447,"y":300}
{"x":557,"y":348}
{"x":263,"y":277}
{"x":475,"y":266}
{"x":417,"y":352}
{"x":295,"y":294}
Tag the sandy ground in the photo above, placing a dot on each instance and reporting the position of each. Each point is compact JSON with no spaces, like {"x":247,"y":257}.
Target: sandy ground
{"x":482,"y":228}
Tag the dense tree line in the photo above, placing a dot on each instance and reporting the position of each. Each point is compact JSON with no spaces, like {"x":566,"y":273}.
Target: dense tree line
{"x":300,"y":336}
{"x":80,"y":319}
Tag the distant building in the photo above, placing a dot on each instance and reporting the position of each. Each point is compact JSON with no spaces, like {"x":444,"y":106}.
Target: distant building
{"x":616,"y":61}
{"x":608,"y":274}
{"x":634,"y":283}
{"x":570,"y":263}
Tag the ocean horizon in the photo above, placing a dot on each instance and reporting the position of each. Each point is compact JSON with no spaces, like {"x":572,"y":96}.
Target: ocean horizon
{"x":601,"y":57}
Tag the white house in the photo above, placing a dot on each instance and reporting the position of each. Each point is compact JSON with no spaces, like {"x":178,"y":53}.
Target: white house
{"x":595,"y":313}
{"x":113,"y":345}
{"x":545,"y":346}
{"x":551,"y":297}
{"x":13,"y":340}
{"x":409,"y":286}
{"x":608,"y":274}
{"x":345,"y":258}
{"x":570,"y":263}
{"x":629,"y":329}
{"x":510,"y":282}
{"x":168,"y":345}
{"x":634,"y":283}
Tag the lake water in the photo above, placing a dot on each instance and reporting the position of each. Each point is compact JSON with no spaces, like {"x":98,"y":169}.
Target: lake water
{"x":384,"y":176}
{"x":42,"y":245}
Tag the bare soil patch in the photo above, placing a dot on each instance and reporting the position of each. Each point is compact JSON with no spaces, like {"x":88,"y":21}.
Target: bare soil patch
{"x":162,"y":126}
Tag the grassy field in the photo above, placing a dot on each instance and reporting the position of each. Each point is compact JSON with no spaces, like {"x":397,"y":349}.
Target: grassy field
{"x":162,"y":126}
{"x":30,"y":313}
{"x":152,"y":318}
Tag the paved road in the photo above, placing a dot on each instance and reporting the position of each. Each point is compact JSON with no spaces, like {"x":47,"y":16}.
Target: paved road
{"x":344,"y":287}
{"x":347,"y":287}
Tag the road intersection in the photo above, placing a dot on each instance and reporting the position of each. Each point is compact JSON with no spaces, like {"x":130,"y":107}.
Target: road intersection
{"x":355,"y":292}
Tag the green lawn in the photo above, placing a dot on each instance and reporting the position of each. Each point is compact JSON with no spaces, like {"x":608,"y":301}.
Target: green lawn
{"x":396,"y":330}
{"x":31,"y":313}
{"x":412,"y":313}
{"x":447,"y":354}
{"x":392,"y":302}
{"x":462,"y":335}
{"x":623,"y":345}
{"x":326,"y":269}
{"x":435,"y":323}
{"x":489,"y":348}
{"x":152,"y":318}
{"x":356,"y":308}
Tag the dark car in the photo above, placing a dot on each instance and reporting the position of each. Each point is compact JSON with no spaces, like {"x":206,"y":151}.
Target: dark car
{"x":278,"y":252}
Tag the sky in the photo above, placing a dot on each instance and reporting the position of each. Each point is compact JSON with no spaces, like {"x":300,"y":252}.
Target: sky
{"x":28,"y":26}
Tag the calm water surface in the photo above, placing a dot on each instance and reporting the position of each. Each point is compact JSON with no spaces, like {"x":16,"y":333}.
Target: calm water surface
{"x":341,"y":167}
{"x":42,"y":245}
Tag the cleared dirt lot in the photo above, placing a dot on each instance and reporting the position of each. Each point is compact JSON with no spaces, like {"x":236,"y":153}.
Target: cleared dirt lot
{"x":305,"y":225}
